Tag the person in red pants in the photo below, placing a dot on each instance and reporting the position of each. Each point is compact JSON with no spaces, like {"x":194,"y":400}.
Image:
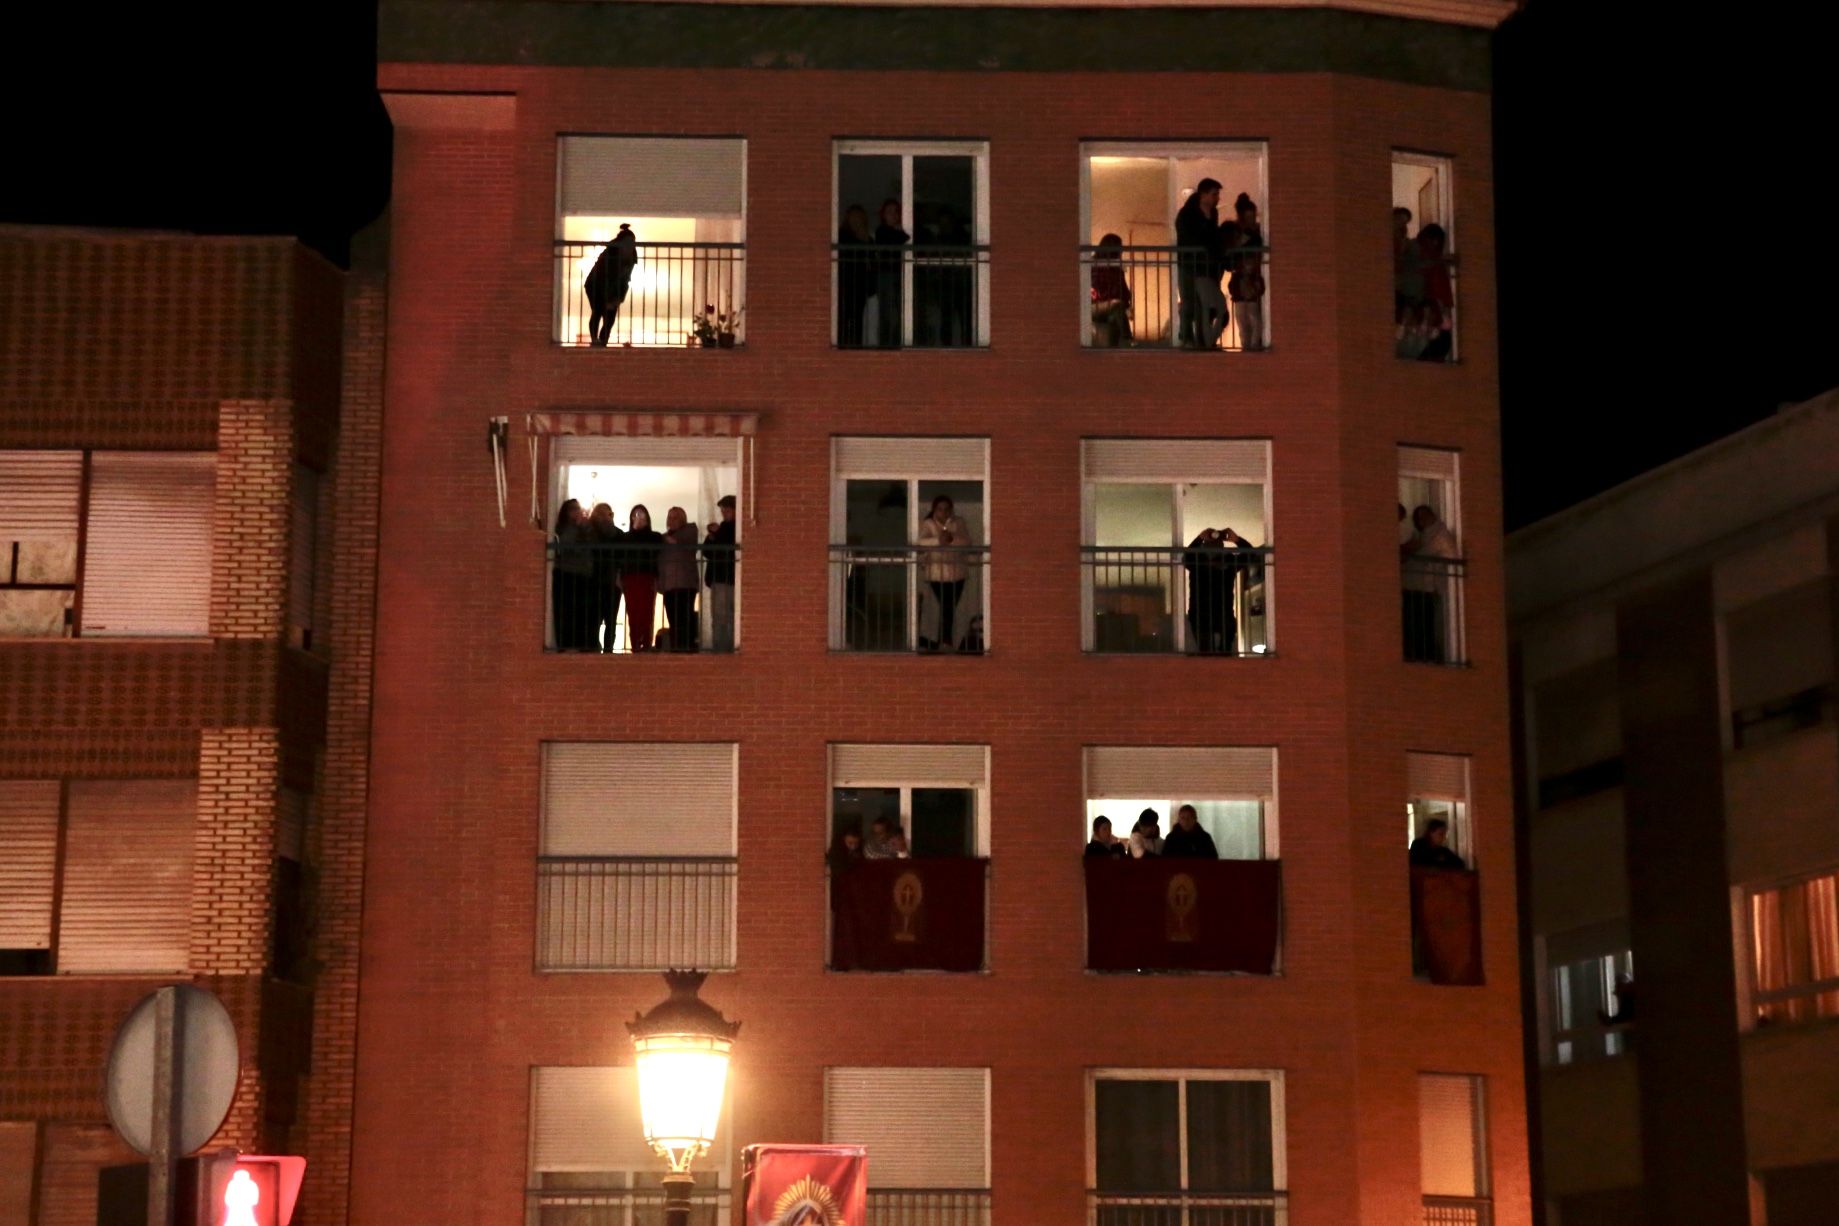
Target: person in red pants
{"x":638,"y":576}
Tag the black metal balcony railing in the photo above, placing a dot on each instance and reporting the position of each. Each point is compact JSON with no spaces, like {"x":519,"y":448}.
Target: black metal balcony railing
{"x":621,"y":1207}
{"x":928,"y":1207}
{"x":1458,"y":1211}
{"x":604,"y":913}
{"x":672,"y":286}
{"x":908,"y":598}
{"x":1187,"y":1209}
{"x":1144,"y":298}
{"x":922,"y":297}
{"x":620,"y":597}
{"x":1433,"y":609}
{"x":1424,"y":319}
{"x":1204,"y":600}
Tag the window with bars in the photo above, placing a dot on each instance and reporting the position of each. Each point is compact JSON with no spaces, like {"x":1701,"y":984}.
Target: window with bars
{"x":1453,"y":1150}
{"x":1169,"y":1148}
{"x":928,"y":1136}
{"x":1432,"y":569}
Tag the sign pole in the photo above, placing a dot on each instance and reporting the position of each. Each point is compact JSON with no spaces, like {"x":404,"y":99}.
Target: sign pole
{"x":167,"y":1074}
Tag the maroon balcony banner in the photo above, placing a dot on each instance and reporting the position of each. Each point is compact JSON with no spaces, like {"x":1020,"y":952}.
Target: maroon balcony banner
{"x":822,"y":1185}
{"x":905,"y":915}
{"x":1446,"y":917}
{"x":1183,"y":915}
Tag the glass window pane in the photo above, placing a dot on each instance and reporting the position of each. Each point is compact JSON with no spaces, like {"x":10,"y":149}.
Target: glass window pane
{"x":944,"y":822}
{"x":857,"y":809}
{"x":1229,"y":1136}
{"x":944,"y":199}
{"x":1139,"y":1143}
{"x":1237,"y":827}
{"x":865,"y":180}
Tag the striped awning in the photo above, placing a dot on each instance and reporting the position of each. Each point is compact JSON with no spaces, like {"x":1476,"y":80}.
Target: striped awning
{"x":644,"y":425}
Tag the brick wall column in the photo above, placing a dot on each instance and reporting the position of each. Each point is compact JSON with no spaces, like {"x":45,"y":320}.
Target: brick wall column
{"x":239,"y":774}
{"x":255,"y":450}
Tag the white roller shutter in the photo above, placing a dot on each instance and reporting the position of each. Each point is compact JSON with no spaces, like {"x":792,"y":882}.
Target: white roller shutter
{"x":39,"y":492}
{"x":1450,"y":1136}
{"x":935,"y":458}
{"x":147,"y":568}
{"x":586,"y":1119}
{"x":613,"y":451}
{"x":127,"y":877}
{"x":18,"y":1157}
{"x":638,"y":799}
{"x":28,"y":861}
{"x":1437,"y":776}
{"x":1177,"y":459}
{"x":1429,"y":463}
{"x":939,"y":766}
{"x":1138,"y":773}
{"x":651,"y":176}
{"x":924,"y":1127}
{"x":302,"y":531}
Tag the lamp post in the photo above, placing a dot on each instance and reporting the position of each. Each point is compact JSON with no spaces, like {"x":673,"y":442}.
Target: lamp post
{"x":682,"y":1047}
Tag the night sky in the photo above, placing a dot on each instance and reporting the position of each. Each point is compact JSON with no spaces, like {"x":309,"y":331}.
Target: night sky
{"x":1668,"y":272}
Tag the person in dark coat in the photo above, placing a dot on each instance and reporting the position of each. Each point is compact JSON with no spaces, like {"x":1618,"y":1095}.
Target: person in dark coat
{"x":719,"y":560}
{"x":1200,"y":261}
{"x":1430,"y":849}
{"x":1104,"y":844}
{"x":607,"y":283}
{"x":1187,"y":841}
{"x":1212,"y":568}
{"x":890,"y":238}
{"x":855,"y":275}
{"x":604,"y":534}
{"x":637,"y":559}
{"x":571,"y":578}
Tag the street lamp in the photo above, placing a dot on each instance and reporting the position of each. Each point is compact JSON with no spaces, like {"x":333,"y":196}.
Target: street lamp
{"x":682,"y":1047}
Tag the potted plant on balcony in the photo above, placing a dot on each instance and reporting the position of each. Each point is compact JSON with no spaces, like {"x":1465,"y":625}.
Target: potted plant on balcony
{"x":714,"y":329}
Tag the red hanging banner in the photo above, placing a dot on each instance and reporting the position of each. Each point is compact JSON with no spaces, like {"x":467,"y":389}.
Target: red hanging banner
{"x":805,"y":1185}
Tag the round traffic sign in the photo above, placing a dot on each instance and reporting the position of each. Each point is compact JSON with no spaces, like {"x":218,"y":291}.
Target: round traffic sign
{"x":204,"y":1062}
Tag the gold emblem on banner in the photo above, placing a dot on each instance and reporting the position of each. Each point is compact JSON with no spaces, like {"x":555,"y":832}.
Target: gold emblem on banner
{"x":908,"y":895}
{"x":807,"y":1203}
{"x":1183,"y":898}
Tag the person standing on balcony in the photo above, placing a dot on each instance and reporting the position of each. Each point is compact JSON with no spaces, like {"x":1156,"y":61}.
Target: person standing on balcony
{"x":1187,"y":841}
{"x":1439,"y":305}
{"x":1431,"y":850}
{"x":607,"y":283}
{"x":637,"y":560}
{"x":855,"y":276}
{"x":571,"y":577}
{"x":1146,"y":835}
{"x":889,"y":237}
{"x":605,"y":535}
{"x":718,"y":571}
{"x":677,"y":577}
{"x":1212,"y":571}
{"x":1427,"y":572}
{"x":1200,"y":260}
{"x":1407,"y":287}
{"x":946,"y":564}
{"x":1104,"y":844}
{"x":1245,"y":260}
{"x":1110,"y":295}
{"x":953,"y":281}
{"x":885,"y":841}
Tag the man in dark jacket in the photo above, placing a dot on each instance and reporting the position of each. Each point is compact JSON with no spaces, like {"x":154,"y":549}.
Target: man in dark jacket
{"x":607,"y":283}
{"x":719,"y":560}
{"x":1430,"y":850}
{"x":1187,"y":841}
{"x":1200,"y":260}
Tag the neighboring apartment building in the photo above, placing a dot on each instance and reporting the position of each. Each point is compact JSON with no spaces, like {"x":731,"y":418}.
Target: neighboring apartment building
{"x":553,"y":817}
{"x":168,"y":418}
{"x":1674,"y":642}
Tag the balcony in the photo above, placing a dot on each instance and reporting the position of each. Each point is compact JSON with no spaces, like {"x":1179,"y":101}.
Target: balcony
{"x":1433,"y":609}
{"x":1134,"y":298}
{"x":1458,"y":1211}
{"x":620,"y":598}
{"x":629,"y":913}
{"x":673,"y":288}
{"x":621,"y":1207}
{"x":1187,"y":1208}
{"x":918,"y":297}
{"x":1424,"y":317}
{"x":928,"y":1207}
{"x":908,"y":598}
{"x":1446,"y":925}
{"x":909,"y":915}
{"x":1171,"y":601}
{"x":1162,"y":915}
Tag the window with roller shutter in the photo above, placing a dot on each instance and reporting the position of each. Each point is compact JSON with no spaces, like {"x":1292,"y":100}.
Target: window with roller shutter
{"x":1453,"y":1149}
{"x":637,"y":866}
{"x":1432,"y":571}
{"x":928,"y":1136}
{"x":1437,"y":788}
{"x":40,"y":500}
{"x":1232,"y":788}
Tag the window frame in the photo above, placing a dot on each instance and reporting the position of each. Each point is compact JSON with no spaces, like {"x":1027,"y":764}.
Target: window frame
{"x":980,"y":808}
{"x":988,"y":1110}
{"x":1280,"y":1183}
{"x":1752,"y":997}
{"x":1443,"y":166}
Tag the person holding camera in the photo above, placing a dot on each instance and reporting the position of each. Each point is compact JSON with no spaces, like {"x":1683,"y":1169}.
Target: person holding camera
{"x":1212,"y":570}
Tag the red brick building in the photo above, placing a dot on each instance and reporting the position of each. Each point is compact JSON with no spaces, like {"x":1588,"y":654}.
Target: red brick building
{"x":168,"y":415}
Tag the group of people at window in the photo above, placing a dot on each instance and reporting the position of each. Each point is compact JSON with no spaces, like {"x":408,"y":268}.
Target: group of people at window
{"x":870,"y":284}
{"x":597,"y":564}
{"x":1186,"y":840}
{"x":1423,"y":293}
{"x":1207,"y":249}
{"x":1428,"y":554}
{"x":885,"y":840}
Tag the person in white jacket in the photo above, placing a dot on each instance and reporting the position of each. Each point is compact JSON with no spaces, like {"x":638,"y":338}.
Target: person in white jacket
{"x":945,"y":565}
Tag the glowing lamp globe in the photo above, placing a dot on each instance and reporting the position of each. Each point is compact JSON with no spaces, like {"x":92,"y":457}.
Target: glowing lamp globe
{"x":682,"y":1048}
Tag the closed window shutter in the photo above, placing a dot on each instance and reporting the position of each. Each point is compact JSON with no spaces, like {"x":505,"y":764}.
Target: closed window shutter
{"x":934,"y":458}
{"x":18,"y":1155}
{"x":147,"y":567}
{"x":924,"y":1127}
{"x":1151,"y":773}
{"x":1177,"y":459}
{"x":39,"y":492}
{"x":612,"y":451}
{"x":1428,"y":463}
{"x":1450,"y":1135}
{"x":623,"y":177}
{"x":1438,"y":776}
{"x":127,"y":877}
{"x":302,"y":528}
{"x":587,"y":1119}
{"x":638,"y":799}
{"x":28,"y":861}
{"x":939,"y":766}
